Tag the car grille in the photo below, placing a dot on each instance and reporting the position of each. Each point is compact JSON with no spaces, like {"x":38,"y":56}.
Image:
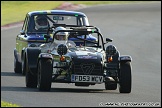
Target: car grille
{"x":88,"y":69}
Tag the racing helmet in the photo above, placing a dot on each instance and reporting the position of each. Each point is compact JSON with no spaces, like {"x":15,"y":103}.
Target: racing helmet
{"x":41,"y":22}
{"x":61,"y":35}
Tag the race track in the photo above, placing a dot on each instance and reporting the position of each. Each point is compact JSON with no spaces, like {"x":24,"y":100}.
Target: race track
{"x":135,"y":30}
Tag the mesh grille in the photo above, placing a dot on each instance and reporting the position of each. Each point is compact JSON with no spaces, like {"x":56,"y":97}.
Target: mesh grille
{"x":87,"y":69}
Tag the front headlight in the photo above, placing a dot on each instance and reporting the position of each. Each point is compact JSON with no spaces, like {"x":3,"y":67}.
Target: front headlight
{"x":111,"y":50}
{"x":62,"y":49}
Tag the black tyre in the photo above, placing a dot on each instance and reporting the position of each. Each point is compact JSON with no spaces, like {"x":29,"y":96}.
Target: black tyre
{"x":125,"y":79}
{"x":110,"y":86}
{"x":24,"y":66}
{"x":17,"y":66}
{"x":45,"y":70}
{"x":31,"y":80}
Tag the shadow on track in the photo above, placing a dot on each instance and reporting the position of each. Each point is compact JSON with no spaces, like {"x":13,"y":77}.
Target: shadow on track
{"x":53,"y":89}
{"x":11,"y":74}
{"x":81,"y":90}
{"x":60,"y":90}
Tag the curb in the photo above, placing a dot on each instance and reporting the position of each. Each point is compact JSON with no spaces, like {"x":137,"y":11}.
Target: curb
{"x":70,"y":6}
{"x":64,"y":6}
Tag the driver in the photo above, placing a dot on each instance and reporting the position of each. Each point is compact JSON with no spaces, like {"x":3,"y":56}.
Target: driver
{"x":62,"y":38}
{"x":61,"y":35}
{"x":41,"y":22}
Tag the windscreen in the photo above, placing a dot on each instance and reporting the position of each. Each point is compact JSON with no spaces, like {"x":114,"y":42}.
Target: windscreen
{"x":69,"y":20}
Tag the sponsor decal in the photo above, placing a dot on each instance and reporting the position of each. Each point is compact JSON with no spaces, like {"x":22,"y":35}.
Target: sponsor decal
{"x":87,"y":57}
{"x":46,"y":55}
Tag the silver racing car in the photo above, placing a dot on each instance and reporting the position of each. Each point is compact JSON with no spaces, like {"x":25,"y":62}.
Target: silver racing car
{"x":91,"y":62}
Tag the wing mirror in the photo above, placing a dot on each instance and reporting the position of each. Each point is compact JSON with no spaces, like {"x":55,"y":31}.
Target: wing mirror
{"x":47,"y":37}
{"x":22,"y":32}
{"x":108,"y":40}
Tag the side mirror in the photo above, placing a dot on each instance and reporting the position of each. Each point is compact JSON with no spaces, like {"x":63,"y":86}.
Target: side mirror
{"x":108,"y":40}
{"x":22,"y":32}
{"x":47,"y":37}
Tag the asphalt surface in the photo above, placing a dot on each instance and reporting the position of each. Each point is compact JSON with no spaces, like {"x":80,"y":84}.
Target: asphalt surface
{"x":135,"y":30}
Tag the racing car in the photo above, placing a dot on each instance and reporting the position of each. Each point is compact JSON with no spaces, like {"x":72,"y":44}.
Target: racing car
{"x":35,"y":26}
{"x":90,"y":63}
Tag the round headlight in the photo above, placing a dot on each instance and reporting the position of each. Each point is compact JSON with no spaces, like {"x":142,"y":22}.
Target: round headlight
{"x":62,"y":49}
{"x":111,"y":50}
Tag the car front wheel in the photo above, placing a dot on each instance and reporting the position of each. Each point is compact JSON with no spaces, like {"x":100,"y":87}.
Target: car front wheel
{"x":44,"y":74}
{"x":125,"y":77}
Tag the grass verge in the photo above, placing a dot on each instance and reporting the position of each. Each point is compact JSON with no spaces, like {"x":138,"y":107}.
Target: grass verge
{"x":7,"y":104}
{"x":15,"y":11}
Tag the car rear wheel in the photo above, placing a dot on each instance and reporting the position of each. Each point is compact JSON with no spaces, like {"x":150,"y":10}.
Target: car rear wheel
{"x":125,"y":77}
{"x":45,"y":74}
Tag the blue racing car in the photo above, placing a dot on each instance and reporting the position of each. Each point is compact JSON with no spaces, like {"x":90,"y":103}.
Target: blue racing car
{"x":36,"y":25}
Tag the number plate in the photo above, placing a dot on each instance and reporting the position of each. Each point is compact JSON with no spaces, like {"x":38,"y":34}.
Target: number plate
{"x":86,"y":78}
